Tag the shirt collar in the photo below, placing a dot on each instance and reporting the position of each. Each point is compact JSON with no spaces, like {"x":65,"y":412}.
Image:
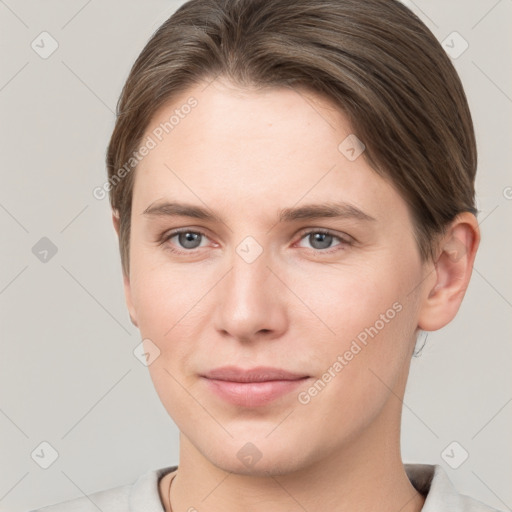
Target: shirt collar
{"x":432,"y":481}
{"x":428,"y":479}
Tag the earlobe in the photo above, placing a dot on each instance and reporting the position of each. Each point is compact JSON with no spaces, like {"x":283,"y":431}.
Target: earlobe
{"x":126,"y":279}
{"x":129,"y":302}
{"x":115,"y":221}
{"x":451,"y":273}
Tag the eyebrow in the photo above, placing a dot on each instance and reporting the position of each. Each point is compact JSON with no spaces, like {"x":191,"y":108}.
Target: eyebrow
{"x":311,"y":211}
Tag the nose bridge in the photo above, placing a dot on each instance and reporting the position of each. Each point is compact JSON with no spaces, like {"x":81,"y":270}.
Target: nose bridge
{"x":248,"y":302}
{"x":249,"y":274}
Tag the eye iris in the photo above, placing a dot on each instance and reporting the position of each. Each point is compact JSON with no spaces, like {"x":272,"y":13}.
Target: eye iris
{"x":324,"y":238}
{"x":188,"y":239}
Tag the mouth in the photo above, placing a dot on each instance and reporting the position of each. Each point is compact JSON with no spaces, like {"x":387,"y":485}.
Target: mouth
{"x":252,"y":387}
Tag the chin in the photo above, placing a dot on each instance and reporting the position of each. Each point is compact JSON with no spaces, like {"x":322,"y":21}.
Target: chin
{"x":260,"y":457}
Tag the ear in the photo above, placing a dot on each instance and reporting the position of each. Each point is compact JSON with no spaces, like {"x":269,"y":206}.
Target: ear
{"x":451,"y":273}
{"x":126,"y":279}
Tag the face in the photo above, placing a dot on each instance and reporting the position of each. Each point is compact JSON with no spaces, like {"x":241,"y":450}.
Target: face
{"x":263,"y":274}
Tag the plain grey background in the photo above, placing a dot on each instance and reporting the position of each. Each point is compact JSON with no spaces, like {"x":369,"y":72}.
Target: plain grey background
{"x":68,"y":374}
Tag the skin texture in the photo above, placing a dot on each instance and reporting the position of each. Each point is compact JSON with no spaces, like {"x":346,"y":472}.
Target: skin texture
{"x":245,"y":155}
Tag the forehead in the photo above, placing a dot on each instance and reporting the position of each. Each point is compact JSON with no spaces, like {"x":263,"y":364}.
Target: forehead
{"x":256,"y":147}
{"x":247,"y":123}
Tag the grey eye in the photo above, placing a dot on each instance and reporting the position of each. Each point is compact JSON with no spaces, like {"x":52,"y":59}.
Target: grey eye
{"x":189,"y":239}
{"x":320,"y":240}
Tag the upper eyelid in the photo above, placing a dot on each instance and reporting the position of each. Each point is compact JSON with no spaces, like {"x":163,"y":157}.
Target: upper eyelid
{"x":327,"y":231}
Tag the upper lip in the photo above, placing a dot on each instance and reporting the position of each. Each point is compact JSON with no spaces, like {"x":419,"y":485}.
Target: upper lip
{"x":257,"y":374}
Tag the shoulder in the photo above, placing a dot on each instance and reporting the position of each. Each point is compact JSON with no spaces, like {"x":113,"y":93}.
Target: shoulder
{"x":142,"y":494}
{"x":441,"y":496}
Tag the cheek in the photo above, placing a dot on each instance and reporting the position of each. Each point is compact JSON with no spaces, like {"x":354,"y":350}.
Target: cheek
{"x":361,"y":371}
{"x":164,"y":295}
{"x":343,"y":300}
{"x":366,"y":317}
{"x":168,"y":304}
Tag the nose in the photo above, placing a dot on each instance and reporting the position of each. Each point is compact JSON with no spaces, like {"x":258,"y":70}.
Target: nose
{"x":251,"y":301}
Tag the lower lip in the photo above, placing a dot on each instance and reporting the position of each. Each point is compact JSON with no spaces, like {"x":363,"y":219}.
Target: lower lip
{"x":253,"y":394}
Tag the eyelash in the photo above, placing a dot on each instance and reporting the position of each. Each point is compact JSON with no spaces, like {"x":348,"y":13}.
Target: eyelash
{"x":344,"y":242}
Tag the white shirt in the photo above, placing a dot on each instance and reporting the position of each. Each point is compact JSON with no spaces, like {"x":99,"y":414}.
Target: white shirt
{"x":143,"y":495}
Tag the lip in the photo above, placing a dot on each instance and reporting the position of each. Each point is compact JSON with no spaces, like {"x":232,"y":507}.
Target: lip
{"x":252,"y":387}
{"x":257,"y":374}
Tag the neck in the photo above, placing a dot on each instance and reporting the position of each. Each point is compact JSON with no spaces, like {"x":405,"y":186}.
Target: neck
{"x":365,"y":475}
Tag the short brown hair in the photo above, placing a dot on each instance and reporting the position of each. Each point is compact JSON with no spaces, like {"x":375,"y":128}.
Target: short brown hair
{"x":374,"y":58}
